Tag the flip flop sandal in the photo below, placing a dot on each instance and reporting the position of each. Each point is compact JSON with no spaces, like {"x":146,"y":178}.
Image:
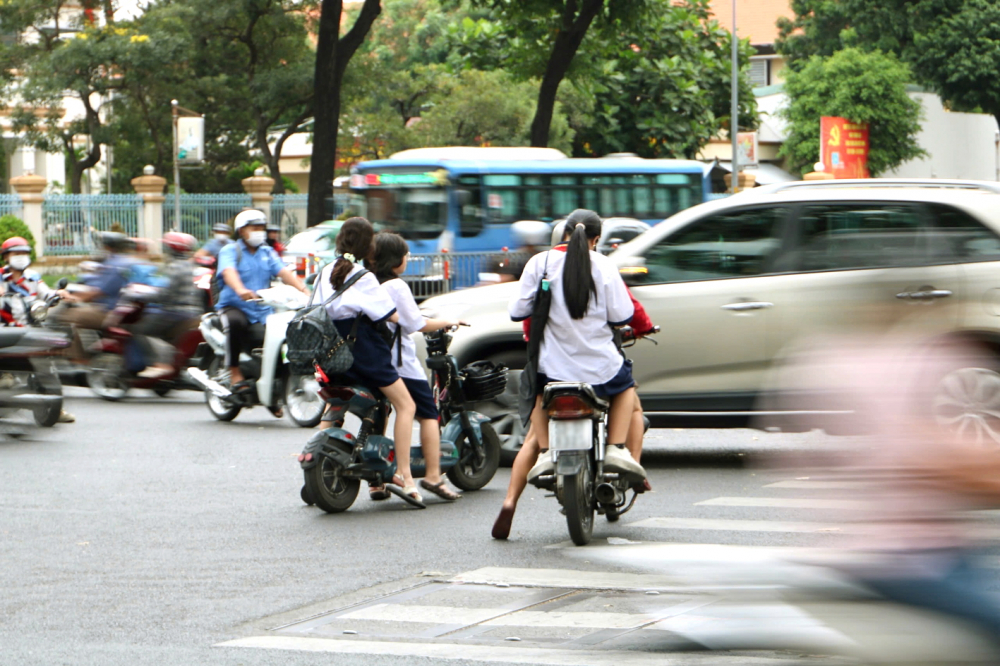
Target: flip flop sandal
{"x":408,"y":494}
{"x":378,"y":491}
{"x":441,"y":490}
{"x":501,"y":528}
{"x":276,"y":411}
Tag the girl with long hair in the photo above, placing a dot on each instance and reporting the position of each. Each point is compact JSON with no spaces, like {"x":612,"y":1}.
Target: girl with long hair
{"x":589,"y":299}
{"x":388,"y":262}
{"x":367,"y":300}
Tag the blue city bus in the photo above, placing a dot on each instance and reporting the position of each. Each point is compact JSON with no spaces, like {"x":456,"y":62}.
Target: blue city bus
{"x":464,"y":199}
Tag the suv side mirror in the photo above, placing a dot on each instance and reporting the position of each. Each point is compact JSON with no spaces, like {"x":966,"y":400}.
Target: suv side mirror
{"x":633,"y":275}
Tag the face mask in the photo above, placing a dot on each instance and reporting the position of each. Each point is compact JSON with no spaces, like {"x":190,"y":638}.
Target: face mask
{"x":20,"y":262}
{"x":222,"y":236}
{"x":256,"y":238}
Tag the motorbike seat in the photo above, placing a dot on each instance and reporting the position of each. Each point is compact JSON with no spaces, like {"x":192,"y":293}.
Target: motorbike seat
{"x":10,"y":336}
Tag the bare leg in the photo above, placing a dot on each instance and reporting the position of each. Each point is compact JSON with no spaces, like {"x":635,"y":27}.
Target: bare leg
{"x":235,"y":376}
{"x":620,"y":418}
{"x":399,"y":396}
{"x":525,"y":460}
{"x":430,"y":442}
{"x":540,"y":424}
{"x":635,"y":431}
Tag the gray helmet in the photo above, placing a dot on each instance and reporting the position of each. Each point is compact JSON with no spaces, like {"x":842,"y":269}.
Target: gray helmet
{"x":115,"y":241}
{"x":530,"y":232}
{"x":222,"y":228}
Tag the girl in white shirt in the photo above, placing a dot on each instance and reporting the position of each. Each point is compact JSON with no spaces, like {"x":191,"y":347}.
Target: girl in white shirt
{"x":388,"y":263}
{"x":589,"y":299}
{"x":372,"y":365}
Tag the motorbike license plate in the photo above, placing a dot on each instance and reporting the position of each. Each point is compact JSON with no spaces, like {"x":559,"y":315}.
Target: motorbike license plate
{"x":575,"y":435}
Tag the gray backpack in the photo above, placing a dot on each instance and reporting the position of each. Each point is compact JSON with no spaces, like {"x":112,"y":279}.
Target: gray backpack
{"x":313,"y":339}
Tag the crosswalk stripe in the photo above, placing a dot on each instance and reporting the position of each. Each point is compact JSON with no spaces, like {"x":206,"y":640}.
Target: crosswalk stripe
{"x":496,"y":654}
{"x":809,"y":484}
{"x":784,"y":503}
{"x":568,"y":578}
{"x":726,"y":525}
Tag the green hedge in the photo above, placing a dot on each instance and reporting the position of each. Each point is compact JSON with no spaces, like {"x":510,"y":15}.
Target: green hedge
{"x":11,"y":226}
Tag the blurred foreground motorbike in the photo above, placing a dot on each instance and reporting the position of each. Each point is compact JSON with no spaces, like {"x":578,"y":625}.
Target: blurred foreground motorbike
{"x":113,"y":364}
{"x":273,"y":385}
{"x":335,"y":461}
{"x":578,"y":423}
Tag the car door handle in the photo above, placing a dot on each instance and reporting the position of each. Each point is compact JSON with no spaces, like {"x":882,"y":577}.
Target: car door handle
{"x":747,"y":305}
{"x":924,"y":294}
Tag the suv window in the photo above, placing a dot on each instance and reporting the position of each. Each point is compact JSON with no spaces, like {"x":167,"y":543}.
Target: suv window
{"x":861,"y":235}
{"x":957,"y":236}
{"x":737,"y":243}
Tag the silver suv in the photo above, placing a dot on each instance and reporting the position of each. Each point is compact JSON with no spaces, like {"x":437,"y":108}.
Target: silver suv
{"x":735,"y":283}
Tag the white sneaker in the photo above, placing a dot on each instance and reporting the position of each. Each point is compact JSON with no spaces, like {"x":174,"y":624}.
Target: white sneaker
{"x":542,"y":467}
{"x":619,"y":460}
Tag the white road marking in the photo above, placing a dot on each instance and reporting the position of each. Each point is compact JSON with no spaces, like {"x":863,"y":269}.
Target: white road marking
{"x":785,"y":503}
{"x":572,"y":620}
{"x":494,"y":653}
{"x":808,"y":484}
{"x":726,"y":525}
{"x":568,"y":578}
{"x":423,"y":614}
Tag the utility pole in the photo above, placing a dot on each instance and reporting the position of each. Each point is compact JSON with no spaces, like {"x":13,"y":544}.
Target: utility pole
{"x":175,"y":112}
{"x":734,"y":111}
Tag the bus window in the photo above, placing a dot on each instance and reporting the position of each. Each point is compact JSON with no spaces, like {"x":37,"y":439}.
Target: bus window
{"x":641,"y":197}
{"x":504,"y":197}
{"x":661,"y":202}
{"x":469,"y":197}
{"x":410,"y":212}
{"x":623,"y":197}
{"x":535,"y":206}
{"x":565,"y":197}
{"x":590,"y":199}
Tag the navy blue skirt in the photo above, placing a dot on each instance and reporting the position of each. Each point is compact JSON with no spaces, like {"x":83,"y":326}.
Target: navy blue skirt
{"x":372,"y":357}
{"x":421,"y":393}
{"x":620,"y":383}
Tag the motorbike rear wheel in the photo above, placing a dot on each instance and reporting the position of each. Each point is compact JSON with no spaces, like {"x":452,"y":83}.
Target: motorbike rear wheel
{"x":474,"y":474}
{"x":328,"y":488}
{"x":105,"y":376}
{"x":578,"y":501}
{"x":305,"y":407}
{"x":47,"y":415}
{"x":220,"y":409}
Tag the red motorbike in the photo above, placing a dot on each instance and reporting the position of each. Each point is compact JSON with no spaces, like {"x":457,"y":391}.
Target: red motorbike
{"x":108,"y":374}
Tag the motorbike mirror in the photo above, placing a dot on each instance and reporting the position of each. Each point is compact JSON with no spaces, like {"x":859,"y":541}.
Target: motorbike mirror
{"x":311,"y":280}
{"x":62,"y":283}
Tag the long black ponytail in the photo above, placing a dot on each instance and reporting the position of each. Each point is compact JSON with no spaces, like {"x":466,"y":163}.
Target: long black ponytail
{"x":577,"y":278}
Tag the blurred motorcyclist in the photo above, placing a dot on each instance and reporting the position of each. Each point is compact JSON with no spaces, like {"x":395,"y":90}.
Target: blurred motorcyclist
{"x":21,"y":287}
{"x":102,"y":284}
{"x":274,"y":237}
{"x":531,"y":237}
{"x":174,"y":314}
{"x":222,"y":235}
{"x":245,"y":266}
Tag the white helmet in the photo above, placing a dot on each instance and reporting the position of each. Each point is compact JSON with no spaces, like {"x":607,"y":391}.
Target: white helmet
{"x":530,"y":232}
{"x":249,"y":217}
{"x":558,"y":231}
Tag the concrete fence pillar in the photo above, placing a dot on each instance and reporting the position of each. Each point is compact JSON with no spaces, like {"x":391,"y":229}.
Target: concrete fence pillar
{"x":259,"y":187}
{"x":747,"y":181}
{"x":820,"y":173}
{"x":150,"y":188}
{"x":29,"y":188}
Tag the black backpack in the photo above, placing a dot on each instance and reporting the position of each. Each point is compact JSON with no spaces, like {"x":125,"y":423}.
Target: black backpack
{"x":312,"y":338}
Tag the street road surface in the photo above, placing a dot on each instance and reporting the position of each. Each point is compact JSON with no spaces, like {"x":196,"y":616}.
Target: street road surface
{"x":149,"y":533}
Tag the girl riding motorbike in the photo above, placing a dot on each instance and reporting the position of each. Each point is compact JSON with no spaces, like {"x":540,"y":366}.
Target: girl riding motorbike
{"x":372,"y":366}
{"x":589,"y":299}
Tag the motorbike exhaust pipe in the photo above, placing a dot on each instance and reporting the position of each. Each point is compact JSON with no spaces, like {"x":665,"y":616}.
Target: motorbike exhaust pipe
{"x":607,"y":494}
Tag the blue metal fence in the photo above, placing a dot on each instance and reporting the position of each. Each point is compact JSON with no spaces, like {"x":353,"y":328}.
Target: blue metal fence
{"x":71,"y":220}
{"x":199,"y":212}
{"x":289,"y":210}
{"x":10,"y":204}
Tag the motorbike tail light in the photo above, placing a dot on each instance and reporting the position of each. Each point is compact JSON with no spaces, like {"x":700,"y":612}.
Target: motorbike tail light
{"x":392,"y":456}
{"x":569,"y":407}
{"x":302,"y":457}
{"x":309,"y":457}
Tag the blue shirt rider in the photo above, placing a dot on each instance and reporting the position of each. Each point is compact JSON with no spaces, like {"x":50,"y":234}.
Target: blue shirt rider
{"x":221,"y":238}
{"x":245,"y":266}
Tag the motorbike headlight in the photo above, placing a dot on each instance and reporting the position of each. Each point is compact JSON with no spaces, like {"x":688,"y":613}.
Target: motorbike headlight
{"x":39,"y":311}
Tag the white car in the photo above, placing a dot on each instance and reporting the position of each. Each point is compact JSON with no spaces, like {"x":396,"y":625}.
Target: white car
{"x":736,"y":283}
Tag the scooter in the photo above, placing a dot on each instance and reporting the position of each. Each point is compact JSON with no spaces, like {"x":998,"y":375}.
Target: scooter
{"x":27,"y":366}
{"x":108,"y":373}
{"x":273,"y":385}
{"x":335,"y":461}
{"x":578,"y":421}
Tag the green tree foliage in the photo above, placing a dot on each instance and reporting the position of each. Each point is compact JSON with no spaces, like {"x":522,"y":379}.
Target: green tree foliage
{"x":541,"y":38}
{"x":951,"y":45}
{"x":663,"y":88}
{"x":862,"y":87}
{"x":11,"y":226}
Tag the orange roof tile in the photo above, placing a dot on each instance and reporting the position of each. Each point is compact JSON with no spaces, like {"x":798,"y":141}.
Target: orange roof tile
{"x":755,"y":19}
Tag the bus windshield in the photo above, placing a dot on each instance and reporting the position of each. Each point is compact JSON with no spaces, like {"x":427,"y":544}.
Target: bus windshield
{"x":410,"y":204}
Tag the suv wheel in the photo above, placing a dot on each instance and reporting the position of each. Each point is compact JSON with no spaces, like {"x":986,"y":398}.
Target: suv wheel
{"x":967,"y":401}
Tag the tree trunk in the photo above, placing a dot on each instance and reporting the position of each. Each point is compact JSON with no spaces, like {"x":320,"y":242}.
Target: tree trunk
{"x":332,"y":55}
{"x":567,"y":43}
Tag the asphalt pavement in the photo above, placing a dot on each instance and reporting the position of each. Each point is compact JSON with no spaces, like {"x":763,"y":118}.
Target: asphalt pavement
{"x":149,"y":533}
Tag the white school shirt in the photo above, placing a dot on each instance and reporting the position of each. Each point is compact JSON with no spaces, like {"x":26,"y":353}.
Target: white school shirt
{"x":577,"y":350}
{"x":411,"y":321}
{"x":364,"y":297}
